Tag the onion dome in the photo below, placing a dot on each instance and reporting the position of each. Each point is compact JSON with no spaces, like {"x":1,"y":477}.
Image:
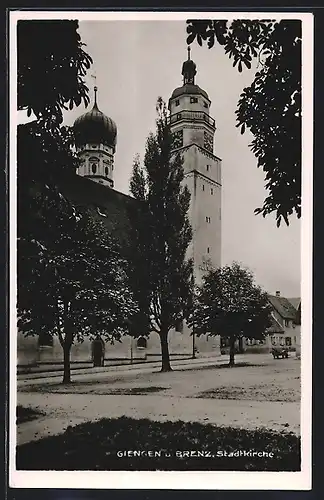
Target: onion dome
{"x":94,"y":127}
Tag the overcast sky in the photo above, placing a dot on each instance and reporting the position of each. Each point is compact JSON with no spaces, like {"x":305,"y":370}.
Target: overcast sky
{"x":137,"y":61}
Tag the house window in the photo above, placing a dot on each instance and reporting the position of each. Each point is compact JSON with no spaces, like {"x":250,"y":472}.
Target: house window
{"x":288,"y":341}
{"x":205,"y":104}
{"x":208,"y":220}
{"x":211,"y":191}
{"x":207,"y":168}
{"x":193,"y":100}
{"x":141,"y":343}
{"x":177,"y":102}
{"x":94,"y":168}
{"x":207,"y":249}
{"x":273,"y":340}
{"x":287,"y":323}
{"x":203,"y":187}
{"x":106,"y":170}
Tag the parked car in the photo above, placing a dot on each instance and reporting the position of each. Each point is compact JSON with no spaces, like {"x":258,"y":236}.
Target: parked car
{"x":280,"y":352}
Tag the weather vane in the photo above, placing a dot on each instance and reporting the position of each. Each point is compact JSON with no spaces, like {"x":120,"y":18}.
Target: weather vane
{"x":95,"y":88}
{"x":94,"y":76}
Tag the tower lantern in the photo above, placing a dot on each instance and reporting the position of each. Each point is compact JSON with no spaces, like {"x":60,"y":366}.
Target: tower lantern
{"x":189,"y":70}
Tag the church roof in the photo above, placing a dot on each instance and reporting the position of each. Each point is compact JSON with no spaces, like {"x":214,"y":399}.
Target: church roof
{"x":189,"y":88}
{"x":94,"y":127}
{"x":111,"y":207}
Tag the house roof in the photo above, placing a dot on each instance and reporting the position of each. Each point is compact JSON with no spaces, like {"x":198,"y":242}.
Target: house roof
{"x":275,"y":326}
{"x":295,"y":301}
{"x":283,"y":306}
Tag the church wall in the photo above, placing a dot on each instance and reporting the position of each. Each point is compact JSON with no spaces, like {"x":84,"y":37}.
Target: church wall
{"x":208,"y":223}
{"x":27,"y":350}
{"x":99,"y":157}
{"x":181,"y":344}
{"x":30,"y":353}
{"x":205,"y":210}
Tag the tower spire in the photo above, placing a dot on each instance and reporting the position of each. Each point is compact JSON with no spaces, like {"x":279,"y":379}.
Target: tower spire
{"x":188,"y":49}
{"x":95,"y":96}
{"x":95,"y":88}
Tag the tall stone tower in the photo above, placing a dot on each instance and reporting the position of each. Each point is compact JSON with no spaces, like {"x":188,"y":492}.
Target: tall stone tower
{"x":95,"y":140}
{"x":193,"y":132}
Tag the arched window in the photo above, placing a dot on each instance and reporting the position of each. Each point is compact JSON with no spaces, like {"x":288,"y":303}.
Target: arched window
{"x":94,"y":168}
{"x":141,"y":343}
{"x":106,"y":170}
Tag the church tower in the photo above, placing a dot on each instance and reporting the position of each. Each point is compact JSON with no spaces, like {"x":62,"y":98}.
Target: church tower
{"x":95,"y":140}
{"x":193,"y":132}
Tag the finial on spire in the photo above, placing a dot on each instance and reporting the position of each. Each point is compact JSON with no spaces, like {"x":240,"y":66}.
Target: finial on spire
{"x":95,"y":88}
{"x":95,"y":95}
{"x":188,"y":49}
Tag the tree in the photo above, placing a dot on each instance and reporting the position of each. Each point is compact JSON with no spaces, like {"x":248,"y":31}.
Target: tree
{"x":231,"y":305}
{"x":161,"y":274}
{"x":271,"y":106}
{"x":51,"y":68}
{"x":72,"y":281}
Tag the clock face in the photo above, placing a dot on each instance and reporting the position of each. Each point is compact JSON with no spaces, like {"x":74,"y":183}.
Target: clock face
{"x":208,"y":142}
{"x":177,"y":138}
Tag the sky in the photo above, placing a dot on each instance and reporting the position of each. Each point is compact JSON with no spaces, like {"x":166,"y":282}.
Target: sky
{"x":135,"y":62}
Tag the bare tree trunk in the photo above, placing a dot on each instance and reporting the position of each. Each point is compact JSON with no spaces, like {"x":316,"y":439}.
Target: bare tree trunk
{"x":232,"y":351}
{"x":166,"y":367}
{"x":67,"y":343}
{"x":67,"y":364}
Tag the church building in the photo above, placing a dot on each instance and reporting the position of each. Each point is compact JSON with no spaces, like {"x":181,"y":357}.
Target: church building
{"x":193,"y":130}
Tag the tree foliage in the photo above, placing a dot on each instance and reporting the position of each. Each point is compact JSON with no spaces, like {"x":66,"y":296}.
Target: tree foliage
{"x":51,"y":68}
{"x":161,"y":274}
{"x":231,"y":305}
{"x":271,"y":106}
{"x":44,"y":155}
